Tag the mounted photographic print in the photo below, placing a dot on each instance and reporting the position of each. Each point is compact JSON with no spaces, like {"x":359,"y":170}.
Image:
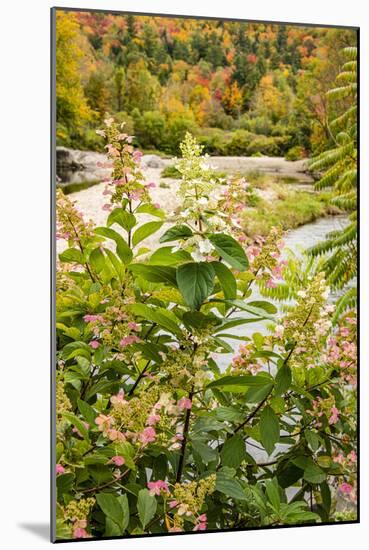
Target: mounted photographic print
{"x":204,"y":238}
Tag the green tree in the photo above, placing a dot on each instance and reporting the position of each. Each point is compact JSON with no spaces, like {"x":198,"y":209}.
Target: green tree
{"x":142,"y":88}
{"x":98,"y":94}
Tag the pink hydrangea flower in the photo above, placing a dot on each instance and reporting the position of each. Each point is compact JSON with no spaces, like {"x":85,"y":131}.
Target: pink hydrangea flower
{"x":278,"y":331}
{"x":107,"y":207}
{"x":115,"y":435}
{"x":150,"y":185}
{"x":270,"y":284}
{"x":137,"y":155}
{"x":352,"y":456}
{"x":184,"y":403}
{"x":153,"y":419}
{"x":133,"y":326}
{"x":117,"y":460}
{"x":103,"y":422}
{"x":201,"y":524}
{"x":156,"y":486}
{"x":80,"y":533}
{"x":60,"y":469}
{"x":200,"y":527}
{"x":156,"y":205}
{"x":128,"y":340}
{"x":345,"y":488}
{"x":148,"y":435}
{"x":93,"y":318}
{"x":94,"y":344}
{"x":334,"y":415}
{"x":173,"y":504}
{"x":119,"y":398}
{"x":135,"y":196}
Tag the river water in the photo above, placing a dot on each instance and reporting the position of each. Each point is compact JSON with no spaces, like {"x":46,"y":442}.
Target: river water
{"x":296,"y":241}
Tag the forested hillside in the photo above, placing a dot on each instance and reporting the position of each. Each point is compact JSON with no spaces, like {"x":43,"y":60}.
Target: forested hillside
{"x":241,"y":88}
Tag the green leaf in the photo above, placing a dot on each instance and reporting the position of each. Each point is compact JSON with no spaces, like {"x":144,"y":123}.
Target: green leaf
{"x":86,"y":411}
{"x":73,"y":419}
{"x":199,"y":321}
{"x":175,"y":233}
{"x":123,"y":250}
{"x":116,"y":509}
{"x":111,"y":528}
{"x":123,"y":501}
{"x":245,"y":382}
{"x":145,"y":231}
{"x":165,"y":256}
{"x":159,"y":316}
{"x":116,"y":263}
{"x":71,"y":255}
{"x":324,"y":461}
{"x":146,"y":506}
{"x":313,"y":440}
{"x":314,"y":474}
{"x":272,"y":491}
{"x":258,"y":312}
{"x":233,"y":452}
{"x":150,"y":209}
{"x":226,"y":279}
{"x":230,"y":250}
{"x":269,"y":429}
{"x":207,"y":453}
{"x":195,"y":282}
{"x":155,"y":273}
{"x":262,"y":304}
{"x":229,"y":487}
{"x":64,"y":482}
{"x":231,"y":414}
{"x":97,"y":260}
{"x":283,"y":379}
{"x":121,"y":217}
{"x":258,"y":393}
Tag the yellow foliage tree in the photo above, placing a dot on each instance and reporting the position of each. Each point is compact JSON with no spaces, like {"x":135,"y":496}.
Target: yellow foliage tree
{"x":72,"y":108}
{"x":232,"y":99}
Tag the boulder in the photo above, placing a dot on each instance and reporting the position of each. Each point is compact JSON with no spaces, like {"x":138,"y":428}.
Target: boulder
{"x":152,"y":161}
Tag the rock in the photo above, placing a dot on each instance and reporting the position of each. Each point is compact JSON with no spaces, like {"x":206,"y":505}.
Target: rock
{"x":152,"y":161}
{"x":66,"y":162}
{"x":73,"y":166}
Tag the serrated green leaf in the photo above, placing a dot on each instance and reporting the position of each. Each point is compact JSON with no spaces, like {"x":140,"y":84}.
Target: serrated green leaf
{"x":269,"y":429}
{"x":230,"y":250}
{"x":123,"y":218}
{"x":175,"y":233}
{"x":123,"y":250}
{"x":195,"y":282}
{"x":145,"y":231}
{"x":146,"y":506}
{"x":155,"y":273}
{"x":226,"y":279}
{"x":233,"y":452}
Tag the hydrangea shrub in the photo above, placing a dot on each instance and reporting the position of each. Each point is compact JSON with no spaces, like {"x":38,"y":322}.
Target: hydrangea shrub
{"x":152,"y":435}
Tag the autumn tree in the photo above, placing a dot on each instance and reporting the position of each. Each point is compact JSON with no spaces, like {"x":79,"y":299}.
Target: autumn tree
{"x":72,"y":106}
{"x":232,"y":99}
{"x":142,"y":88}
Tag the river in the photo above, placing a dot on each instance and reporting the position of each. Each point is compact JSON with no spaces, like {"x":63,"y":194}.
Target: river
{"x":296,"y":241}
